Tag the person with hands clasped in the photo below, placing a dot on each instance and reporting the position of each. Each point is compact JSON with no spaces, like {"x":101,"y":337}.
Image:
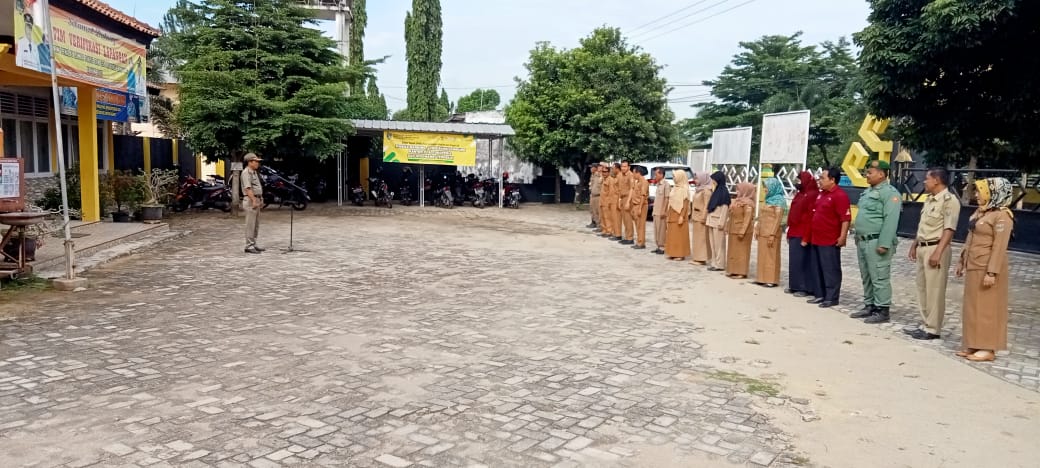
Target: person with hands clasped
{"x":827,"y":235}
{"x":876,"y":224}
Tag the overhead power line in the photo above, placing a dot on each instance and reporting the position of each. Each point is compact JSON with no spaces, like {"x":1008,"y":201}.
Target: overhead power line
{"x":664,"y":17}
{"x":701,"y":20}
{"x":676,"y":20}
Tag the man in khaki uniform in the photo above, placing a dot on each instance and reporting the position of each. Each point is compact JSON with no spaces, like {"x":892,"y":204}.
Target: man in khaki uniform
{"x":624,"y":185}
{"x":595,"y":188}
{"x":609,"y":201}
{"x":660,"y":205}
{"x":640,"y":200}
{"x":252,"y":201}
{"x":933,"y":253}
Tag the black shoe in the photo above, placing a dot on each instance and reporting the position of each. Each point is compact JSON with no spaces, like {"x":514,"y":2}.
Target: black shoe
{"x":615,"y":238}
{"x":627,"y":242}
{"x":815,"y":300}
{"x":801,"y":294}
{"x":828,"y":304}
{"x":252,"y":250}
{"x":714,"y":269}
{"x":910,"y":330}
{"x":880,"y":316}
{"x":591,"y":226}
{"x":260,"y":248}
{"x":639,"y":247}
{"x":789,"y":291}
{"x":923,"y":335}
{"x":865,"y":312}
{"x":659,"y":252}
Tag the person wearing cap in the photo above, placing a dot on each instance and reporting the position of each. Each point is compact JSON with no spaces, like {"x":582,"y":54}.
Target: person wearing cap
{"x":933,"y":253}
{"x":876,"y":223}
{"x":595,"y":187}
{"x":252,"y":200}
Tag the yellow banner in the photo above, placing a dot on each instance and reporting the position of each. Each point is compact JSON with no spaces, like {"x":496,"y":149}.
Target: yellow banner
{"x":82,"y":51}
{"x":429,"y":148}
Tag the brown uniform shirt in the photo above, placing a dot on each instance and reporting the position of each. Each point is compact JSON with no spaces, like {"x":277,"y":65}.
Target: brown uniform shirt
{"x":596,"y":184}
{"x":939,"y":213}
{"x":640,"y":192}
{"x":661,"y":198}
{"x":624,"y":186}
{"x":609,"y":190}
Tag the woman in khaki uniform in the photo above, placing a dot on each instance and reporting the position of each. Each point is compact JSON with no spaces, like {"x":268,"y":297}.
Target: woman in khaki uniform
{"x":718,"y":217}
{"x":984,"y":263}
{"x":701,"y":248}
{"x":677,"y":234}
{"x":769,"y":231}
{"x":741,"y":218}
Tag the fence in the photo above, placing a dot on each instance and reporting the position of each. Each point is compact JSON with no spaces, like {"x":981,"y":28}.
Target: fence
{"x":129,"y":154}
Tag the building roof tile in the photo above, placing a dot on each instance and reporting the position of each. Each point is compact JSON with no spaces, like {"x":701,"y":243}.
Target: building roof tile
{"x":120,"y":17}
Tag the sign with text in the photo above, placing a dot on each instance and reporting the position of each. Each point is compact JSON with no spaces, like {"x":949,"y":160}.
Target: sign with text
{"x":117,"y":106}
{"x":82,"y":51}
{"x":429,"y":148}
{"x":12,"y":184}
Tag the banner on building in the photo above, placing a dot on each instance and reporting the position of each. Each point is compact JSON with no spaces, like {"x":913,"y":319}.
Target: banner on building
{"x":117,"y":106}
{"x":82,"y":50}
{"x":429,"y":148}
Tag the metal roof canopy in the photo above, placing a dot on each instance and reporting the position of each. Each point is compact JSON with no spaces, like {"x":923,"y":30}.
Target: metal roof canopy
{"x":482,"y":131}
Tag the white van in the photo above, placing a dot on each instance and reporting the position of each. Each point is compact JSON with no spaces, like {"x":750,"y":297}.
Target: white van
{"x":648,"y":168}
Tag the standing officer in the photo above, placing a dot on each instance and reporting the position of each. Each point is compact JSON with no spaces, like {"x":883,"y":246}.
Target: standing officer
{"x":876,"y":224}
{"x":932,"y":253}
{"x":640,"y":199}
{"x":252,"y":201}
{"x":624,"y":184}
{"x":609,"y":200}
{"x":595,"y":186}
{"x":660,"y":207}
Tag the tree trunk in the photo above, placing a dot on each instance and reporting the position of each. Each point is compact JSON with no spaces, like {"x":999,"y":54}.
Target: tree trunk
{"x":236,"y":185}
{"x":583,"y":183}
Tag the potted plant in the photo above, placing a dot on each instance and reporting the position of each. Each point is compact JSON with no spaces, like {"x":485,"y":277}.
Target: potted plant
{"x":127,"y":193}
{"x":158,"y":187}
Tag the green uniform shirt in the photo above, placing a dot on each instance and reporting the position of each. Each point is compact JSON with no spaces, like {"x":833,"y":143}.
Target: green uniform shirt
{"x":879,"y":209}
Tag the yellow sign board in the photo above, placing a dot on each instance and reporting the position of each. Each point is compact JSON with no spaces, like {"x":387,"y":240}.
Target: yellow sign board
{"x":82,"y":50}
{"x":429,"y":148}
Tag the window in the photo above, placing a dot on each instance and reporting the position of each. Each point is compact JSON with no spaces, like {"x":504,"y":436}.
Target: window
{"x":10,"y":137}
{"x":27,"y":145}
{"x":26,"y":130}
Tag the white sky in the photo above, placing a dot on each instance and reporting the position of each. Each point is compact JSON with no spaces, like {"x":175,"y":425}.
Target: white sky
{"x":486,"y":42}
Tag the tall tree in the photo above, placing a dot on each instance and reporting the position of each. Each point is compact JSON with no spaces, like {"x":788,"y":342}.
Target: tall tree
{"x":479,"y":100}
{"x":423,"y":46}
{"x":357,"y":42}
{"x":257,"y":76}
{"x":780,"y":74}
{"x":377,"y":100}
{"x":953,"y":75}
{"x":446,"y":107}
{"x":603,"y":100}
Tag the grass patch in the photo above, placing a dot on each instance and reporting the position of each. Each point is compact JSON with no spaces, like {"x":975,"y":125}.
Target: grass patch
{"x":753,"y":385}
{"x":26,"y":283}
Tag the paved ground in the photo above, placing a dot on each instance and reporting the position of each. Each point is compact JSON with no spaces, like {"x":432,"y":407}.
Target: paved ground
{"x":421,"y":339}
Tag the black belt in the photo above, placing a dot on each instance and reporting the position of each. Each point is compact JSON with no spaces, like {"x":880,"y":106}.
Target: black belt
{"x":868,"y":237}
{"x":927,"y":243}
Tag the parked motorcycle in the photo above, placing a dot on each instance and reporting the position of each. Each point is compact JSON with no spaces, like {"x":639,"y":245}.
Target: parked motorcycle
{"x":406,"y":195}
{"x":194,"y":193}
{"x":279,"y":190}
{"x":357,"y":195}
{"x":480,"y":198}
{"x":381,"y":192}
{"x":442,"y":194}
{"x":512,"y":193}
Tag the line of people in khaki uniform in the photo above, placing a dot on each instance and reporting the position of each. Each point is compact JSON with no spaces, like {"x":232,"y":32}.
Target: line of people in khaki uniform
{"x":722,"y":228}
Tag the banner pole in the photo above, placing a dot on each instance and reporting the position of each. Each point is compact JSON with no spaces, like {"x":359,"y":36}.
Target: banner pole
{"x":70,"y":271}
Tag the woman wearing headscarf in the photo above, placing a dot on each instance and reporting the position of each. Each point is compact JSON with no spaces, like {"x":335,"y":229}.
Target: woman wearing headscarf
{"x":984,"y":264}
{"x":769,"y":231}
{"x":798,"y":221}
{"x":741,"y":218}
{"x":718,"y":217}
{"x":677,"y":234}
{"x":699,"y":237}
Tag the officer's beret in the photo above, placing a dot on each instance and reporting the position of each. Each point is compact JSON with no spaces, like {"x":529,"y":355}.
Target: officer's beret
{"x":879,"y":164}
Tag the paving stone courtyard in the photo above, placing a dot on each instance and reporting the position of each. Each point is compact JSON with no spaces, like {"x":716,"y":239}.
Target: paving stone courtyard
{"x":394,"y":340}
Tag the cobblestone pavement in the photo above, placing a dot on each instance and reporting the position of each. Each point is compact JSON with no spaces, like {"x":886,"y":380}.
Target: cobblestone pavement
{"x":1020,"y":364}
{"x":387,"y":342}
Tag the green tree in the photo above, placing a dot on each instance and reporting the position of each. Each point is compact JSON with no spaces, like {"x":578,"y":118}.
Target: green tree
{"x":357,"y":42}
{"x":256,"y":76}
{"x":604,"y":100}
{"x":780,"y":74}
{"x":479,"y":100}
{"x":446,"y":107}
{"x":377,"y":101}
{"x":954,"y":77}
{"x":423,"y":46}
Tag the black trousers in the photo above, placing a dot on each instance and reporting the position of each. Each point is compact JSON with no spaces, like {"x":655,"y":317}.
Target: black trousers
{"x":799,"y":276}
{"x":826,"y":260}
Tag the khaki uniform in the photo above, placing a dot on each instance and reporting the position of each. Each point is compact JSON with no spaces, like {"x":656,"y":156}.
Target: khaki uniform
{"x":718,"y":220}
{"x":738,"y":229}
{"x":660,"y":208}
{"x":250,"y":179}
{"x":640,"y":200}
{"x":701,"y":233}
{"x":939,"y":213}
{"x":624,"y":185}
{"x":769,"y":232}
{"x":609,"y":201}
{"x":595,"y":189}
{"x":985,"y":315}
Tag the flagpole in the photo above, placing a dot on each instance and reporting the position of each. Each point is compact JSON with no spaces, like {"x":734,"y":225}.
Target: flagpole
{"x":70,"y":271}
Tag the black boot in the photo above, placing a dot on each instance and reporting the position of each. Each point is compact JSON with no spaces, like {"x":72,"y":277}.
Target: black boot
{"x":880,"y":316}
{"x":865,"y":312}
